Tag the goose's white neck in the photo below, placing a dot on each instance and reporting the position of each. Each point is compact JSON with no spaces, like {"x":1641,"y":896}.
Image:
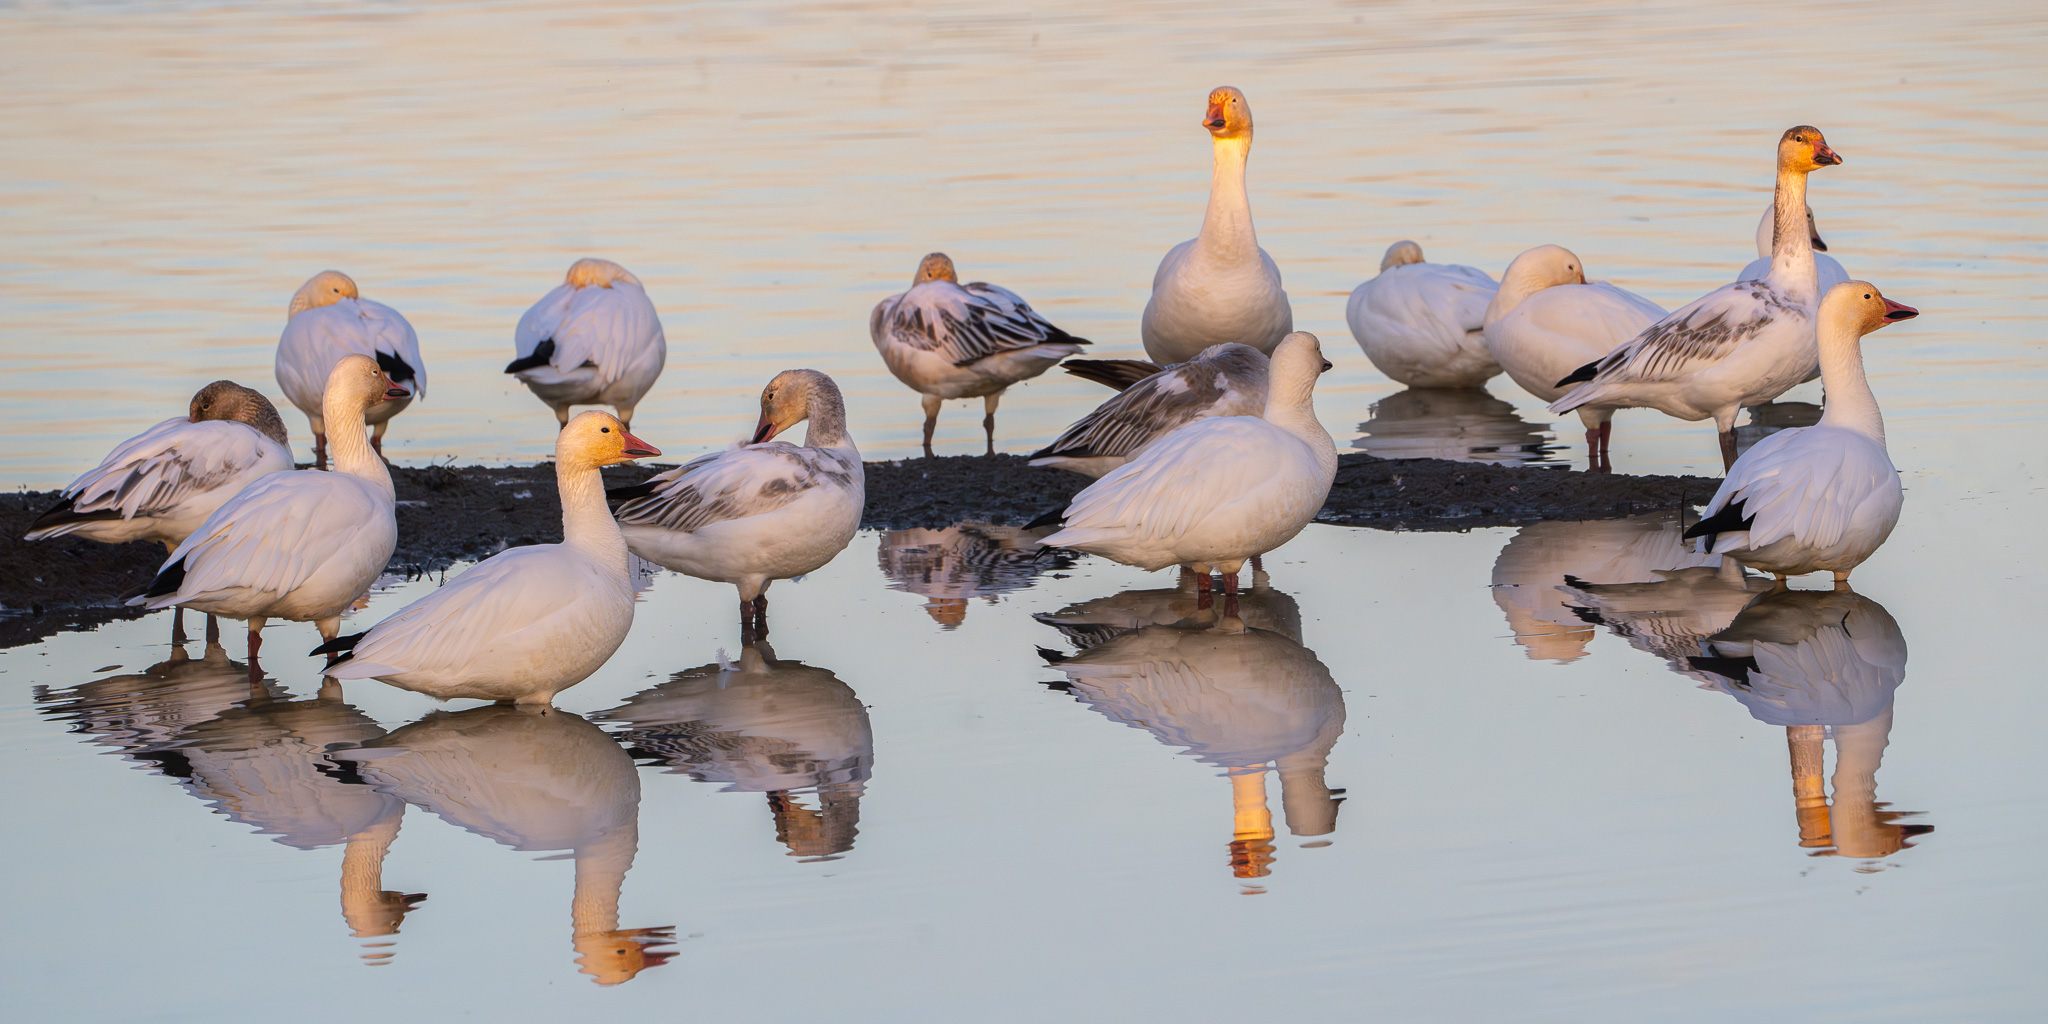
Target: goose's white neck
{"x":1792,"y":268}
{"x":348,"y":440}
{"x":1514,"y":288}
{"x":1227,"y":233}
{"x":825,"y":416}
{"x":600,"y":873}
{"x":1290,"y":405}
{"x":1850,"y":404}
{"x":587,"y":522}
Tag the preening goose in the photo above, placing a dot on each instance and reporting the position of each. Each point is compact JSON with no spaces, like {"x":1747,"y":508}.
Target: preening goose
{"x":767,"y":511}
{"x":945,"y":340}
{"x":1222,"y":380}
{"x":301,"y":545}
{"x":1420,"y":323}
{"x":594,"y":340}
{"x":1218,"y":286}
{"x":1825,"y":496}
{"x":1827,"y":269}
{"x":1218,"y":491}
{"x":1741,"y":344}
{"x":1548,"y":320}
{"x":526,"y":623}
{"x":328,"y":319}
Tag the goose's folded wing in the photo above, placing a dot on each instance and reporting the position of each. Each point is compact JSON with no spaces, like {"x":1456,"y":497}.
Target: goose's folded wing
{"x":540,"y":322}
{"x":1803,"y":483}
{"x":1598,"y":312}
{"x":731,"y":485}
{"x":1697,"y":336}
{"x":277,"y":532}
{"x":391,"y":338}
{"x":1185,"y":476}
{"x":1134,"y":417}
{"x":968,"y":324}
{"x":502,"y":595}
{"x":613,"y":329}
{"x":169,"y":463}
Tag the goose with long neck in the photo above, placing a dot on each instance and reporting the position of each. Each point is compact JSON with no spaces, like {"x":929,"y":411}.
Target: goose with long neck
{"x":1219,"y":491}
{"x":1740,"y":345}
{"x":1825,"y":496}
{"x":1421,"y":323}
{"x":1219,"y":286}
{"x":299,"y":545}
{"x":524,"y":624}
{"x":594,"y":340}
{"x":763,"y":512}
{"x":1548,"y":320}
{"x":328,"y":318}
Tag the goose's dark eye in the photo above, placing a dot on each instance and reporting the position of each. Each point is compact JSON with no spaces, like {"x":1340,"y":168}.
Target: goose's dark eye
{"x":1866,"y":296}
{"x":604,"y":430}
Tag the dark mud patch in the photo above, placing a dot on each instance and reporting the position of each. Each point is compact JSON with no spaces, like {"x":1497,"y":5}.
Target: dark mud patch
{"x":454,"y":514}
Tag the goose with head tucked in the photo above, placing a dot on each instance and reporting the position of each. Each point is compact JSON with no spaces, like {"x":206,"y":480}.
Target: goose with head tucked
{"x":1220,"y":490}
{"x":1219,"y":286}
{"x":1421,"y":323}
{"x":328,"y":319}
{"x":947,"y":340}
{"x":1824,"y":496}
{"x":1548,"y":320}
{"x":594,"y":340}
{"x":1223,"y":380}
{"x":1741,"y":344}
{"x":299,"y":545}
{"x":766,"y":511}
{"x":526,"y":623}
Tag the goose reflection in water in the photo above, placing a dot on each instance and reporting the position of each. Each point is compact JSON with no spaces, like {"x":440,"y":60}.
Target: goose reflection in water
{"x":1556,"y":581}
{"x":1460,"y":424}
{"x":948,"y":567}
{"x":1248,"y":701}
{"x":1186,"y":605}
{"x":763,"y":725}
{"x":259,"y":758}
{"x":1821,"y":664}
{"x":1771,"y":417}
{"x":533,"y":778}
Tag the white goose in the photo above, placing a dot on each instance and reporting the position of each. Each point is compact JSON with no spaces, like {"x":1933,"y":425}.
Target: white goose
{"x":301,"y":545}
{"x":328,"y":319}
{"x":1222,"y":380}
{"x":1548,"y":320}
{"x":1218,"y":286}
{"x":594,"y":340}
{"x":946,"y":340}
{"x":527,"y":623}
{"x":767,"y":511}
{"x":1741,"y":344}
{"x":1420,"y":323}
{"x":1220,"y":490}
{"x":1827,"y":268}
{"x":1825,"y":496}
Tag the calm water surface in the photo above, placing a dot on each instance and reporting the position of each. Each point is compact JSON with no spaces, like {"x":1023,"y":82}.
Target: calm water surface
{"x":1496,"y":774}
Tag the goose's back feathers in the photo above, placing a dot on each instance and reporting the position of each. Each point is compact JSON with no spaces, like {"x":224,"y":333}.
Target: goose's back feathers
{"x":1751,"y":338}
{"x":1562,"y":328}
{"x":315,"y":339}
{"x":299,"y":545}
{"x":1817,"y":497}
{"x":162,"y":483}
{"x":601,"y":334}
{"x":1421,"y":323}
{"x":1225,"y":380}
{"x":964,"y":324}
{"x":737,"y":484}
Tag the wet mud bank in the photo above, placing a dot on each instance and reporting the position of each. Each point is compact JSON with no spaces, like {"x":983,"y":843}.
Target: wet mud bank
{"x":455,"y":514}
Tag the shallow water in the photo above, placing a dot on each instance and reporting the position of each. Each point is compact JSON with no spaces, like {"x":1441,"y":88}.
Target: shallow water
{"x":1549,"y":810}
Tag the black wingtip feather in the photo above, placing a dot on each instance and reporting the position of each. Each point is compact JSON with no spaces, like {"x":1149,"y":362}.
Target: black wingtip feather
{"x":543,"y":353}
{"x":1583,"y":373}
{"x":1056,"y":517}
{"x":61,"y":514}
{"x":1737,"y":669}
{"x":395,"y":368}
{"x":1053,"y":657}
{"x":1728,"y":520}
{"x":340,"y":645}
{"x":1111,"y":373}
{"x":168,"y":580}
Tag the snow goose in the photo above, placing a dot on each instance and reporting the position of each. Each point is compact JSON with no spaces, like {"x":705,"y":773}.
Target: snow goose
{"x":594,"y":340}
{"x":763,"y":512}
{"x":301,"y":545}
{"x":1218,"y":286}
{"x":1827,"y":269}
{"x":1420,"y":323}
{"x":1220,"y":490}
{"x":329,"y":319}
{"x":1741,"y":344}
{"x":1824,"y":496}
{"x":948,"y":340}
{"x":523,"y":624}
{"x":1223,"y":380}
{"x":1548,"y":320}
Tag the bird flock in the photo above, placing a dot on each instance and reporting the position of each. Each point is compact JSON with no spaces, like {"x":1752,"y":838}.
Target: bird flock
{"x":1208,"y":456}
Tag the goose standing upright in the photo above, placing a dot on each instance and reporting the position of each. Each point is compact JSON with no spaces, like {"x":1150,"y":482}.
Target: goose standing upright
{"x":1739,"y":345}
{"x":948,"y":340}
{"x":594,"y":340}
{"x":301,"y":545}
{"x":1222,"y":380}
{"x":526,"y":623}
{"x":1825,"y":496}
{"x":1219,"y":286}
{"x":1421,"y":323}
{"x":1548,"y":320}
{"x":1220,"y":490}
{"x":328,"y":319}
{"x":1827,"y":269}
{"x":764,"y":512}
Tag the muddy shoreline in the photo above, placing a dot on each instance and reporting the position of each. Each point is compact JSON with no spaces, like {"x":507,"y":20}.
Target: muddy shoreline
{"x":456,"y":514}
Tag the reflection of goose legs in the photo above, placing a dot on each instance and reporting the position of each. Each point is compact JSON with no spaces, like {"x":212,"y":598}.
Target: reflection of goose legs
{"x":1251,"y":841}
{"x":754,"y":619}
{"x":255,"y":646}
{"x":371,"y":910}
{"x":1863,"y":827}
{"x":1809,"y":796}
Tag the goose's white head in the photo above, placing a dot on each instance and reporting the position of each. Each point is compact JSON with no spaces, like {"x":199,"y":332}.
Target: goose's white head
{"x":325,"y":289}
{"x":1768,"y":226}
{"x":1299,"y":358}
{"x":1545,"y":266}
{"x":935,"y":267}
{"x":1859,"y":306}
{"x":1229,"y":115}
{"x":1802,"y":149}
{"x":1400,"y":254}
{"x":596,"y":273}
{"x":596,"y":439}
{"x":786,"y":401}
{"x":360,"y":381}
